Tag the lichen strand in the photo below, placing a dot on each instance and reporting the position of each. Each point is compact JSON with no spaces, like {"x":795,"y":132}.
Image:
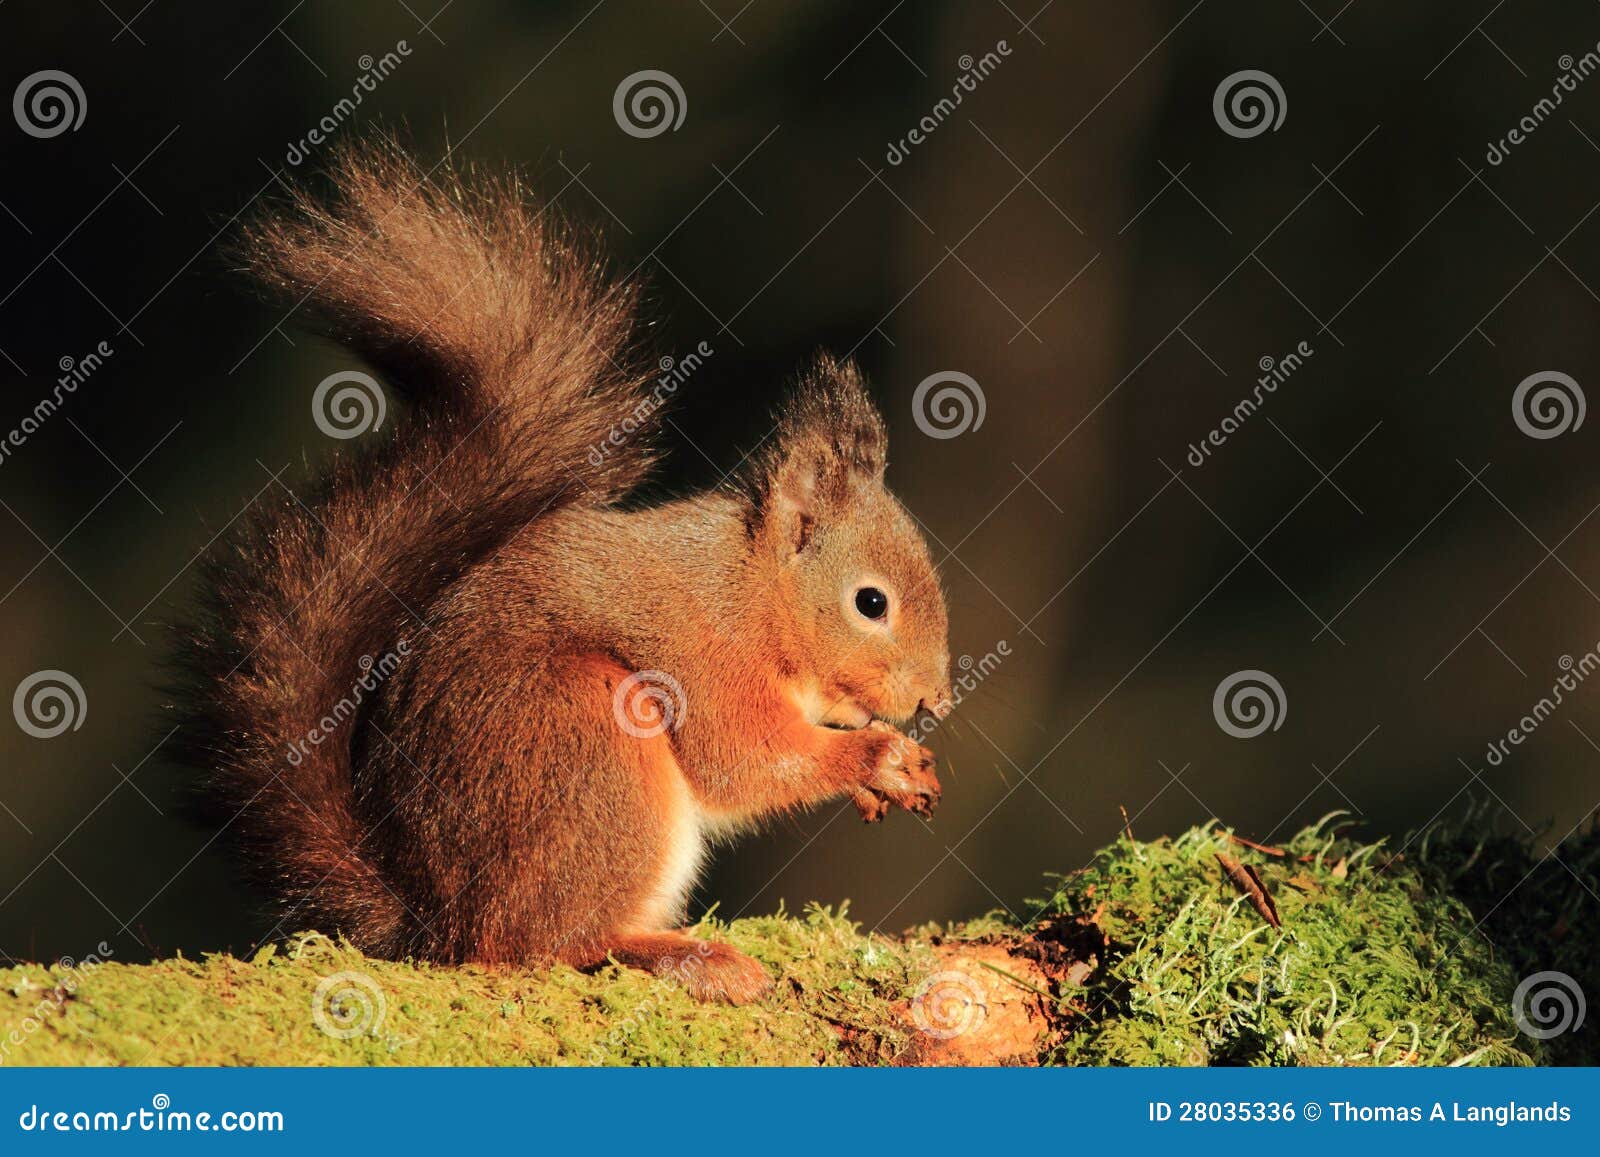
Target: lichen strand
{"x":1148,"y":956}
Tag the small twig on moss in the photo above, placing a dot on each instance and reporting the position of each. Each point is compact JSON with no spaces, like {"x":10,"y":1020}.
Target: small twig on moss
{"x":1264,"y":849}
{"x":1249,"y":881}
{"x":1017,"y":980}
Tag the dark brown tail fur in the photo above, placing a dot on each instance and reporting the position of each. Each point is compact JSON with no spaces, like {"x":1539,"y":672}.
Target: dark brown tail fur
{"x":496,"y":326}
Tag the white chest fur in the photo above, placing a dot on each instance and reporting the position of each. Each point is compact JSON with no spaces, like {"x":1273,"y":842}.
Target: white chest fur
{"x":683,"y":856}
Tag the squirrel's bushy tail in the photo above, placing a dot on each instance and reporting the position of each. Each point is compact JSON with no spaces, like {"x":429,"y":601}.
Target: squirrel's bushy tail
{"x":497,"y":327}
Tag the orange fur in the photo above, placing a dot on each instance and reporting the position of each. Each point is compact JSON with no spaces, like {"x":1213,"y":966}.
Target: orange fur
{"x":484,"y":802}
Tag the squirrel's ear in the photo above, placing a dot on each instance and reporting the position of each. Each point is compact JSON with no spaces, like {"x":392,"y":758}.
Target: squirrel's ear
{"x":830,"y":438}
{"x":789,"y":508}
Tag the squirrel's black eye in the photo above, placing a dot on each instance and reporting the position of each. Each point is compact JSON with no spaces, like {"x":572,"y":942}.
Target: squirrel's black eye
{"x":872,"y":602}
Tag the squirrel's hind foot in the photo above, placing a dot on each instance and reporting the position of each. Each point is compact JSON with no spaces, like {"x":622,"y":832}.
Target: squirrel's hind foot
{"x":706,"y":969}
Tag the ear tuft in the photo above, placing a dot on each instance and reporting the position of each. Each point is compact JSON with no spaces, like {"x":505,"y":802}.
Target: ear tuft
{"x":829,"y":437}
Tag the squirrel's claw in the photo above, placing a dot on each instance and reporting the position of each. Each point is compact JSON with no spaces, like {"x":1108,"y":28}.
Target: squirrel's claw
{"x":902,"y":778}
{"x":872,"y":805}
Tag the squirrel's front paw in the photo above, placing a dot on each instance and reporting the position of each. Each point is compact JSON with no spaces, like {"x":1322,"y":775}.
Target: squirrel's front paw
{"x":901,"y":777}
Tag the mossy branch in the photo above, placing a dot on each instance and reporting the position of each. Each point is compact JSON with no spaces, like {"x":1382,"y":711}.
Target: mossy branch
{"x":1153,"y":954}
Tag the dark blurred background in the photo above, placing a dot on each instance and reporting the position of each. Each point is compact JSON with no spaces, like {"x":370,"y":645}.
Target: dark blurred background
{"x":1080,"y":236}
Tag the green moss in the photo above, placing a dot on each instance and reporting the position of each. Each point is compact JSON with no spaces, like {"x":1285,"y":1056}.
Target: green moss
{"x":1381,"y":958}
{"x":1153,"y":955}
{"x":836,"y":986}
{"x":1537,"y":914}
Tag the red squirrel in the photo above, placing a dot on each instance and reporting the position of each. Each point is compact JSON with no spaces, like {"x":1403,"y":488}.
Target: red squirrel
{"x":576,"y":694}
